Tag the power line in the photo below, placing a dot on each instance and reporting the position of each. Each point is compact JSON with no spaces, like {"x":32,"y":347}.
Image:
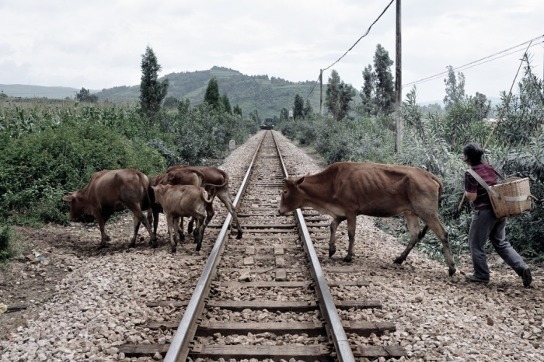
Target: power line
{"x":353,"y":46}
{"x":487,"y":59}
{"x":362,"y":36}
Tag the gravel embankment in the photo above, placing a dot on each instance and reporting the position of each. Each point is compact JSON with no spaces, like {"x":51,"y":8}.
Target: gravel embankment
{"x":101,"y":297}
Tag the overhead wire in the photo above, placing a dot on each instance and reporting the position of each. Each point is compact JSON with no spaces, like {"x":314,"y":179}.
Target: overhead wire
{"x":487,"y":59}
{"x":353,"y":46}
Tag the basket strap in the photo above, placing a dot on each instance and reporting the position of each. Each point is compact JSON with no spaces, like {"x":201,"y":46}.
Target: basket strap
{"x":516,"y":198}
{"x":483,"y":183}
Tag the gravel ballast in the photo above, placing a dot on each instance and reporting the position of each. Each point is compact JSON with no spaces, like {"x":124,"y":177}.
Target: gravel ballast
{"x":99,"y":299}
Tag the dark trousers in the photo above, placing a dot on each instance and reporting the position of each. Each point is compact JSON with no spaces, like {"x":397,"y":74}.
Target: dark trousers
{"x":486,"y":226}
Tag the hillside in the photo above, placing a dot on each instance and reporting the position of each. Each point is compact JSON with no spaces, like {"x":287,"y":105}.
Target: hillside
{"x":36,"y":91}
{"x":267,"y":95}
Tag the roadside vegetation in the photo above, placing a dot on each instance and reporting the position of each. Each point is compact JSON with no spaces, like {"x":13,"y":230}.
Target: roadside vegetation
{"x":512,"y":133}
{"x":51,"y":147}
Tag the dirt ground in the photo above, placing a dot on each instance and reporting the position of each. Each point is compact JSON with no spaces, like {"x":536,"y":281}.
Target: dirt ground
{"x":48,"y":254}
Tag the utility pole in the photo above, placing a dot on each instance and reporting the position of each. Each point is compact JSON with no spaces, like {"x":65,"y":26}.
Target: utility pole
{"x":398,"y":85}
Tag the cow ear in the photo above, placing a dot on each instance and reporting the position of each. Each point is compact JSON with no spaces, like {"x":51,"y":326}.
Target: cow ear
{"x":300,"y":180}
{"x":68,"y":197}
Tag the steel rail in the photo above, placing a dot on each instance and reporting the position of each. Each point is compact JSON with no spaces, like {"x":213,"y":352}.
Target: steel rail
{"x":179,"y":347}
{"x":335,"y":329}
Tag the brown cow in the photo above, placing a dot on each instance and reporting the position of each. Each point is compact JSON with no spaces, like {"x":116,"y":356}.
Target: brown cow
{"x":344,"y":190}
{"x":171,"y":178}
{"x":180,"y":201}
{"x":216,"y":181}
{"x":109,"y":191}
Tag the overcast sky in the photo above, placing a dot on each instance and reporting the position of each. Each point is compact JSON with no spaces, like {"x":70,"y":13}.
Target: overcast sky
{"x":99,"y":44}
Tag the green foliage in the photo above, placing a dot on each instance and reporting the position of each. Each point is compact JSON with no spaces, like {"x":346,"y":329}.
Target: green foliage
{"x":6,"y":242}
{"x":212,"y":97}
{"x":84,"y":95}
{"x":521,"y":116}
{"x":455,"y":88}
{"x":298,"y":108}
{"x":152,"y":92}
{"x":338,"y":96}
{"x":350,"y":140}
{"x":385,"y":89}
{"x":378,"y":93}
{"x":39,"y":168}
{"x":266,"y":95}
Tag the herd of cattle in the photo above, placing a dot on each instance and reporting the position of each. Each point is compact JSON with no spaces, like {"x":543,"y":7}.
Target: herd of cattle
{"x":343,"y":190}
{"x":183,"y":191}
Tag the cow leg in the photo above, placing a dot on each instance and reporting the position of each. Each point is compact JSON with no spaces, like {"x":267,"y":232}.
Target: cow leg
{"x":224,"y":197}
{"x":190,"y":227}
{"x":101,"y":219}
{"x":412,"y":222}
{"x":180,"y":230}
{"x":352,"y":223}
{"x":155,"y":211}
{"x":436,"y":226}
{"x":200,"y":228}
{"x":332,"y":240}
{"x":140,"y":218}
{"x":171,"y":223}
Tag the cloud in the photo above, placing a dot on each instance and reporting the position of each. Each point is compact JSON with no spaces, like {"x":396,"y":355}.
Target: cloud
{"x":99,"y":44}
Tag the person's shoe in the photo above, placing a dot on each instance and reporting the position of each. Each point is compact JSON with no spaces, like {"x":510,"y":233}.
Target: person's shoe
{"x":527,"y":277}
{"x":474,"y":279}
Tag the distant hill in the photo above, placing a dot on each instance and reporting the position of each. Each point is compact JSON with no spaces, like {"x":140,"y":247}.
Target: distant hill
{"x":36,"y":91}
{"x":267,"y":95}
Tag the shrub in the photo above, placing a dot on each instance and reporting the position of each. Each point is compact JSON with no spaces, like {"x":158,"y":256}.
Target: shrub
{"x":38,"y":168}
{"x":6,"y":242}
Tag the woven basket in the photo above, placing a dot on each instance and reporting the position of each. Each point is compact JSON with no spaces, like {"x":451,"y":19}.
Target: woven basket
{"x":514,"y":199}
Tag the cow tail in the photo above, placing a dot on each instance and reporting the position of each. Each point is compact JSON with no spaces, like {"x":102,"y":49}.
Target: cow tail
{"x":149,"y":193}
{"x":204,"y":194}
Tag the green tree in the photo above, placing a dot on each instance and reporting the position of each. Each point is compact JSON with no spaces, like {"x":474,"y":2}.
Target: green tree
{"x":308,"y":110}
{"x":226,"y":103}
{"x":521,"y":116}
{"x":237,"y":110}
{"x":84,"y":95}
{"x":368,"y":92}
{"x":455,"y":88}
{"x":338,"y":96}
{"x":298,"y":109}
{"x":170,"y":102}
{"x":378,"y":93}
{"x":184,"y":105}
{"x":152,"y":92}
{"x":385,"y":87}
{"x":212,"y":94}
{"x":284,"y":115}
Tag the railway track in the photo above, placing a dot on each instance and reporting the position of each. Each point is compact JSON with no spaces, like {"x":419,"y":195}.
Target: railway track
{"x":266,"y":296}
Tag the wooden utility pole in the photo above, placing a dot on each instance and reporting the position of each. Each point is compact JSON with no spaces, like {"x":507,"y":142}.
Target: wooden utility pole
{"x":398,"y":85}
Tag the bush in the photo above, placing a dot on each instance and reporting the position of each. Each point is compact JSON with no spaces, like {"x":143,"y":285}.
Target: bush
{"x":38,"y":168}
{"x":6,"y":242}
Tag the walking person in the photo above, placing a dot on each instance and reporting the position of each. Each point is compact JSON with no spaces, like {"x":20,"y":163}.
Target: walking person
{"x":485,"y":226}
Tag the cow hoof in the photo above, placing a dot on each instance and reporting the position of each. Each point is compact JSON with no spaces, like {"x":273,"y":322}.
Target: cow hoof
{"x":348,"y":258}
{"x":451,"y":271}
{"x":398,"y":260}
{"x":332,"y":251}
{"x":173,"y":250}
{"x":103,"y":245}
{"x":239,"y":236}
